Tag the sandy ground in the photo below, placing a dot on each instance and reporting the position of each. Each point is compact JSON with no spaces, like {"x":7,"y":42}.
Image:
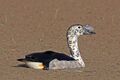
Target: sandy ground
{"x":37,"y":25}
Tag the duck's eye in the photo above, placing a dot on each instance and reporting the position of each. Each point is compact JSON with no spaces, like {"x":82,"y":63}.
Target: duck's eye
{"x":78,"y":27}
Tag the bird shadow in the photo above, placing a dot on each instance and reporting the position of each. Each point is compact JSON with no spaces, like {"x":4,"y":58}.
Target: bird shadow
{"x":21,"y":65}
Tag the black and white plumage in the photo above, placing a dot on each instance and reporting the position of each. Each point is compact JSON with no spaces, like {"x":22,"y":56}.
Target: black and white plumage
{"x":55,"y":60}
{"x":45,"y":57}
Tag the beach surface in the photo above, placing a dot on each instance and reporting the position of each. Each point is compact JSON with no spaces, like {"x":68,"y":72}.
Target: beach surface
{"x":28,"y":26}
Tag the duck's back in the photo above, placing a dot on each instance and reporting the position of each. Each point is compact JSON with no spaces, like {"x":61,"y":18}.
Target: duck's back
{"x":47,"y":56}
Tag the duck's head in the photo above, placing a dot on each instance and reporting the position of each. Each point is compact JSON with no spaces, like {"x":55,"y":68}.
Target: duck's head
{"x":78,"y":29}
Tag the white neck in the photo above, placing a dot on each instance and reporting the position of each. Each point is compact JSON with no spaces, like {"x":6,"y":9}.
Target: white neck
{"x":74,"y":50}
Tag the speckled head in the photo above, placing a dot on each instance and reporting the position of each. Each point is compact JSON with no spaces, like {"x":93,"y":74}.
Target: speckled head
{"x":78,"y":29}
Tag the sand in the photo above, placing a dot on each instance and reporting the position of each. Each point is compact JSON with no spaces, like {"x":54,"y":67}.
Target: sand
{"x":28,"y":26}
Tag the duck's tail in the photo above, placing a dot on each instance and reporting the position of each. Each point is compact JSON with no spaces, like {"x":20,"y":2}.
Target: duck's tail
{"x":21,"y":60}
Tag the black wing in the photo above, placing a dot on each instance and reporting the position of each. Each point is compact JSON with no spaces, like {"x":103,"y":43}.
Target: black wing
{"x":46,"y":56}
